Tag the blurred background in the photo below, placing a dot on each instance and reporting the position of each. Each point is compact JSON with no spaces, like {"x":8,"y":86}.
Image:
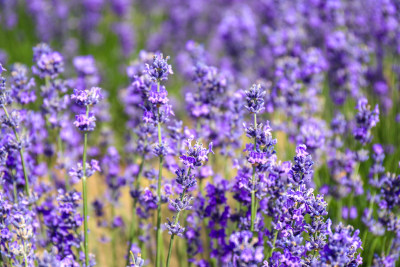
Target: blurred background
{"x":354,"y":44}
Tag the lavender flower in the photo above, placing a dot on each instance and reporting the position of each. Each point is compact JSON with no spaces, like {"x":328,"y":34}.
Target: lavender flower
{"x":342,"y":247}
{"x":77,"y":173}
{"x":85,"y":123}
{"x":255,"y":99}
{"x":195,"y":155}
{"x":365,"y":121}
{"x":159,"y":69}
{"x":21,"y":86}
{"x":87,"y":97}
{"x":48,"y":62}
{"x":302,"y":169}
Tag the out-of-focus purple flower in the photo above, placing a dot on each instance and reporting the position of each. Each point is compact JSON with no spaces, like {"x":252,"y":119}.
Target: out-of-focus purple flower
{"x":48,"y":63}
{"x":2,"y":69}
{"x":85,"y":123}
{"x":22,"y":87}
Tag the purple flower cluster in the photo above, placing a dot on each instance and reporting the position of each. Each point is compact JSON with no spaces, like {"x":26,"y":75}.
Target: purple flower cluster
{"x":86,"y":122}
{"x":366,"y":119}
{"x":48,"y":63}
{"x":246,"y":74}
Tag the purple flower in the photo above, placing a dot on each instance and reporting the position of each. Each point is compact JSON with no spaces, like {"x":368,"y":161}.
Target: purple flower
{"x":256,"y":158}
{"x":85,"y":123}
{"x":159,"y":69}
{"x":76,"y":173}
{"x":85,"y":65}
{"x":342,"y":247}
{"x":87,"y":97}
{"x":2,"y":69}
{"x":195,"y":155}
{"x":302,"y":169}
{"x":174,"y":229}
{"x":21,"y":86}
{"x":245,"y":253}
{"x":158,"y":97}
{"x":365,"y":121}
{"x":255,"y":99}
{"x":48,"y":63}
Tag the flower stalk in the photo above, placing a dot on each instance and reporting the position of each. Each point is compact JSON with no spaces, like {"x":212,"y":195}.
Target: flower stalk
{"x":85,"y":203}
{"x":21,"y":153}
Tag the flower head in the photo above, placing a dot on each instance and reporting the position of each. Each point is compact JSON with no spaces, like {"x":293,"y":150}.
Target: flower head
{"x":174,"y":229}
{"x":195,"y":155}
{"x":158,"y":95}
{"x":365,"y":119}
{"x":159,"y":69}
{"x":302,"y":169}
{"x":85,"y":123}
{"x":87,"y":97}
{"x":2,"y":69}
{"x":255,"y":99}
{"x":48,"y":63}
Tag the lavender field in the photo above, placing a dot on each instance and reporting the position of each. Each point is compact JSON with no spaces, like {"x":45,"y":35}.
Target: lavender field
{"x":208,"y":133}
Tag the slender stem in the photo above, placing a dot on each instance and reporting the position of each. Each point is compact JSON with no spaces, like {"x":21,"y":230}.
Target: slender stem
{"x":176,"y":221}
{"x":15,"y":191}
{"x":132,"y":226}
{"x":253,"y":198}
{"x":255,"y":126}
{"x":389,"y":247}
{"x":24,"y":254}
{"x":21,"y":153}
{"x":158,"y":252}
{"x":170,"y":249}
{"x":159,"y":234}
{"x":253,"y":181}
{"x":85,"y":202}
{"x":372,"y":251}
{"x":273,"y":244}
{"x":173,"y":235}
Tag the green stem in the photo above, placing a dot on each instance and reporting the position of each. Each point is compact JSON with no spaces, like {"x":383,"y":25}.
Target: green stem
{"x":15,"y":191}
{"x":170,"y":249}
{"x":371,"y":251}
{"x":175,"y":222}
{"x":85,"y":202}
{"x":21,"y":153}
{"x":253,"y":181}
{"x":273,"y":244}
{"x":159,"y":234}
{"x":24,"y":254}
{"x":389,"y":247}
{"x":158,"y":251}
{"x":132,"y":225}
